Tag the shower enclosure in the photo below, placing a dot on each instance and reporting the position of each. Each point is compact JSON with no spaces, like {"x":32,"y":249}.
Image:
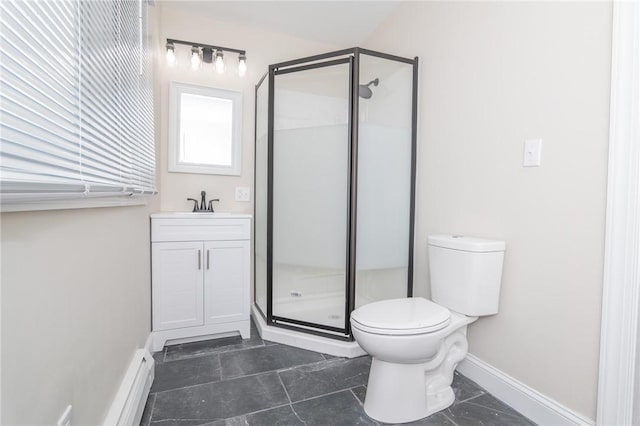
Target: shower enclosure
{"x":334,"y":187}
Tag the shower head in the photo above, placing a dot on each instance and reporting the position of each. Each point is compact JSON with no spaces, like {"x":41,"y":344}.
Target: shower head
{"x":364,"y":91}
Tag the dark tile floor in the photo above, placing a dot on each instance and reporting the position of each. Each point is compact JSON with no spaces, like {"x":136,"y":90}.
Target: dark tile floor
{"x":231,"y":382}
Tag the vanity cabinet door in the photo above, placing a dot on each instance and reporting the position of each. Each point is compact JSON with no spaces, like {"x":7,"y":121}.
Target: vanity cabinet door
{"x":177,"y":272}
{"x":226,"y":286}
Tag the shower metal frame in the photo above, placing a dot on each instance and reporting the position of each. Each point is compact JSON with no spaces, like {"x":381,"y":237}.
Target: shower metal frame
{"x":352,"y":57}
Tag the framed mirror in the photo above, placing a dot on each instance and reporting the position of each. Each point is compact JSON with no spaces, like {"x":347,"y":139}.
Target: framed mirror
{"x":205,"y":127}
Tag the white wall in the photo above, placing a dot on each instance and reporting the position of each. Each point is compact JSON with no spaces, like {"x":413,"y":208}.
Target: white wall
{"x":75,"y":307}
{"x":491,"y":76}
{"x":263,"y":48}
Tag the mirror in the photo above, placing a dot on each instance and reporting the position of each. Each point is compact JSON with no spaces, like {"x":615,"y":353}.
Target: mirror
{"x":205,"y":127}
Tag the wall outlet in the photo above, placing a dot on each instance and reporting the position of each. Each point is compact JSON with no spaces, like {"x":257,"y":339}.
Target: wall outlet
{"x":65,"y":418}
{"x":243,"y":193}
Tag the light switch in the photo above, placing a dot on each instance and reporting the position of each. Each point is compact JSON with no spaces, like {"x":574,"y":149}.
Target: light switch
{"x":532,"y":152}
{"x":243,"y":193}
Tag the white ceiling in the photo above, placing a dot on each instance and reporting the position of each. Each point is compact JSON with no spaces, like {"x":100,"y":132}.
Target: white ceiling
{"x":342,"y":23}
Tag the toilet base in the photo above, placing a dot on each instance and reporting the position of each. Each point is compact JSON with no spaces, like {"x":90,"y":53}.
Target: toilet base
{"x":400,"y":393}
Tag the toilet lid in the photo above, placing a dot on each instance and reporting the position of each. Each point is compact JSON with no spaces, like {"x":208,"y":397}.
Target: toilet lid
{"x":402,"y":316}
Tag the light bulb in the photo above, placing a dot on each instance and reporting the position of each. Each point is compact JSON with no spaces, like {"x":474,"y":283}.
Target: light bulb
{"x":195,"y":58}
{"x":171,"y":54}
{"x":242,"y":65}
{"x":219,"y":62}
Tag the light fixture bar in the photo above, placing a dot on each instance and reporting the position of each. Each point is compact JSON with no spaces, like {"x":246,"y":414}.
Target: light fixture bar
{"x":206,"y":46}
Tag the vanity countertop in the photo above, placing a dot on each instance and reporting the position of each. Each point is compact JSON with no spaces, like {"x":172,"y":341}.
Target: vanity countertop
{"x":200,"y":215}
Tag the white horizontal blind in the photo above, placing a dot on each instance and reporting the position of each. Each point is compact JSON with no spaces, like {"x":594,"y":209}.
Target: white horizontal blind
{"x":76,"y":111}
{"x":40,"y":86}
{"x":101,"y":161}
{"x":146,"y":153}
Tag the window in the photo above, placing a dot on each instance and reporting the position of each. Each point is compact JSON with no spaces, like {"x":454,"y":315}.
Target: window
{"x":204,"y":130}
{"x":76,"y":101}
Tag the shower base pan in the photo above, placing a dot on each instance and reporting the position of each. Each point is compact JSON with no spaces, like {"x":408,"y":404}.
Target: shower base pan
{"x":305,"y":341}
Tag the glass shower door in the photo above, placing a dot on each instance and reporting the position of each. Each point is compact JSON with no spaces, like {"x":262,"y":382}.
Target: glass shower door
{"x":310,"y":189}
{"x":385,"y":167}
{"x":260,"y":222}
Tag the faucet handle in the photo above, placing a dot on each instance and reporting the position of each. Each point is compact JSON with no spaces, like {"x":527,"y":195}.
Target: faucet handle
{"x":195,"y":203}
{"x":203,"y":201}
{"x":211,"y":204}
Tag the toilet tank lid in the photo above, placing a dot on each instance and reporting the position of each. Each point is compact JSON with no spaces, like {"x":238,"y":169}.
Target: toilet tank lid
{"x":465,"y":243}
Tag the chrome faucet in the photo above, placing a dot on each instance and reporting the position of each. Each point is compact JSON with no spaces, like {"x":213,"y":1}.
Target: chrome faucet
{"x":203,"y":207}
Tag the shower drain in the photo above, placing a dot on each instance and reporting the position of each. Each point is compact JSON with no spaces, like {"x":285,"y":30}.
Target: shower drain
{"x":335,"y":316}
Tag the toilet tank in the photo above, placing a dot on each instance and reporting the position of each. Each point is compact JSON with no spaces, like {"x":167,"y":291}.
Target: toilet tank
{"x":466,"y":273}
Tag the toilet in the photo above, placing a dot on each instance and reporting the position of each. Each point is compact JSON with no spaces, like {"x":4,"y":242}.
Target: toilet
{"x":415,"y":344}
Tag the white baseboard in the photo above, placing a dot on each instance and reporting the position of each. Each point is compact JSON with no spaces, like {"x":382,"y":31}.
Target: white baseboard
{"x":128,"y":404}
{"x":527,"y":401}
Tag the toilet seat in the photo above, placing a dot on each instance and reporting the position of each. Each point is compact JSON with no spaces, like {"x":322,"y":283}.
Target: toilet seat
{"x":415,"y":315}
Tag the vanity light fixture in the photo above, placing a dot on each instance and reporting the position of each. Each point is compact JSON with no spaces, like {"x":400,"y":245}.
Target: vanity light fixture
{"x":171,"y":54}
{"x":208,"y":54}
{"x":195,"y":58}
{"x":242,"y":65}
{"x":219,"y":61}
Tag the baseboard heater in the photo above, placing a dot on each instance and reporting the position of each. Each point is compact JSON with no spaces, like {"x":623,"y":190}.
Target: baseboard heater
{"x":128,"y":404}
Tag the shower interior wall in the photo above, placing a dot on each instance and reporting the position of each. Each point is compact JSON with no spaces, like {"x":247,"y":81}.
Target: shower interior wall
{"x":312,"y":123}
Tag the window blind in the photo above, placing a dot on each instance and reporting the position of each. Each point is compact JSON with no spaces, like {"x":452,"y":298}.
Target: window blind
{"x":76,"y":101}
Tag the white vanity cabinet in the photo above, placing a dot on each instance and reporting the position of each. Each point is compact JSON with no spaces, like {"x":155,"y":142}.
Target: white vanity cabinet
{"x":200,"y":275}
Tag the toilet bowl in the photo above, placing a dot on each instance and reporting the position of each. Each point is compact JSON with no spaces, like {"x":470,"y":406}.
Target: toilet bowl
{"x":413,"y":355}
{"x":415,"y":343}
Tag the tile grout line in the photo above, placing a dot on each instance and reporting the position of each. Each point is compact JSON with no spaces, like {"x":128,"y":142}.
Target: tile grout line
{"x":259,"y":411}
{"x":469,"y":399}
{"x":295,"y":413}
{"x":320,"y":396}
{"x":354,"y":394}
{"x":293,"y":367}
{"x":362,"y":405}
{"x":286,"y":392}
{"x":277,"y":370}
{"x":189,"y":386}
{"x":447,"y":417}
